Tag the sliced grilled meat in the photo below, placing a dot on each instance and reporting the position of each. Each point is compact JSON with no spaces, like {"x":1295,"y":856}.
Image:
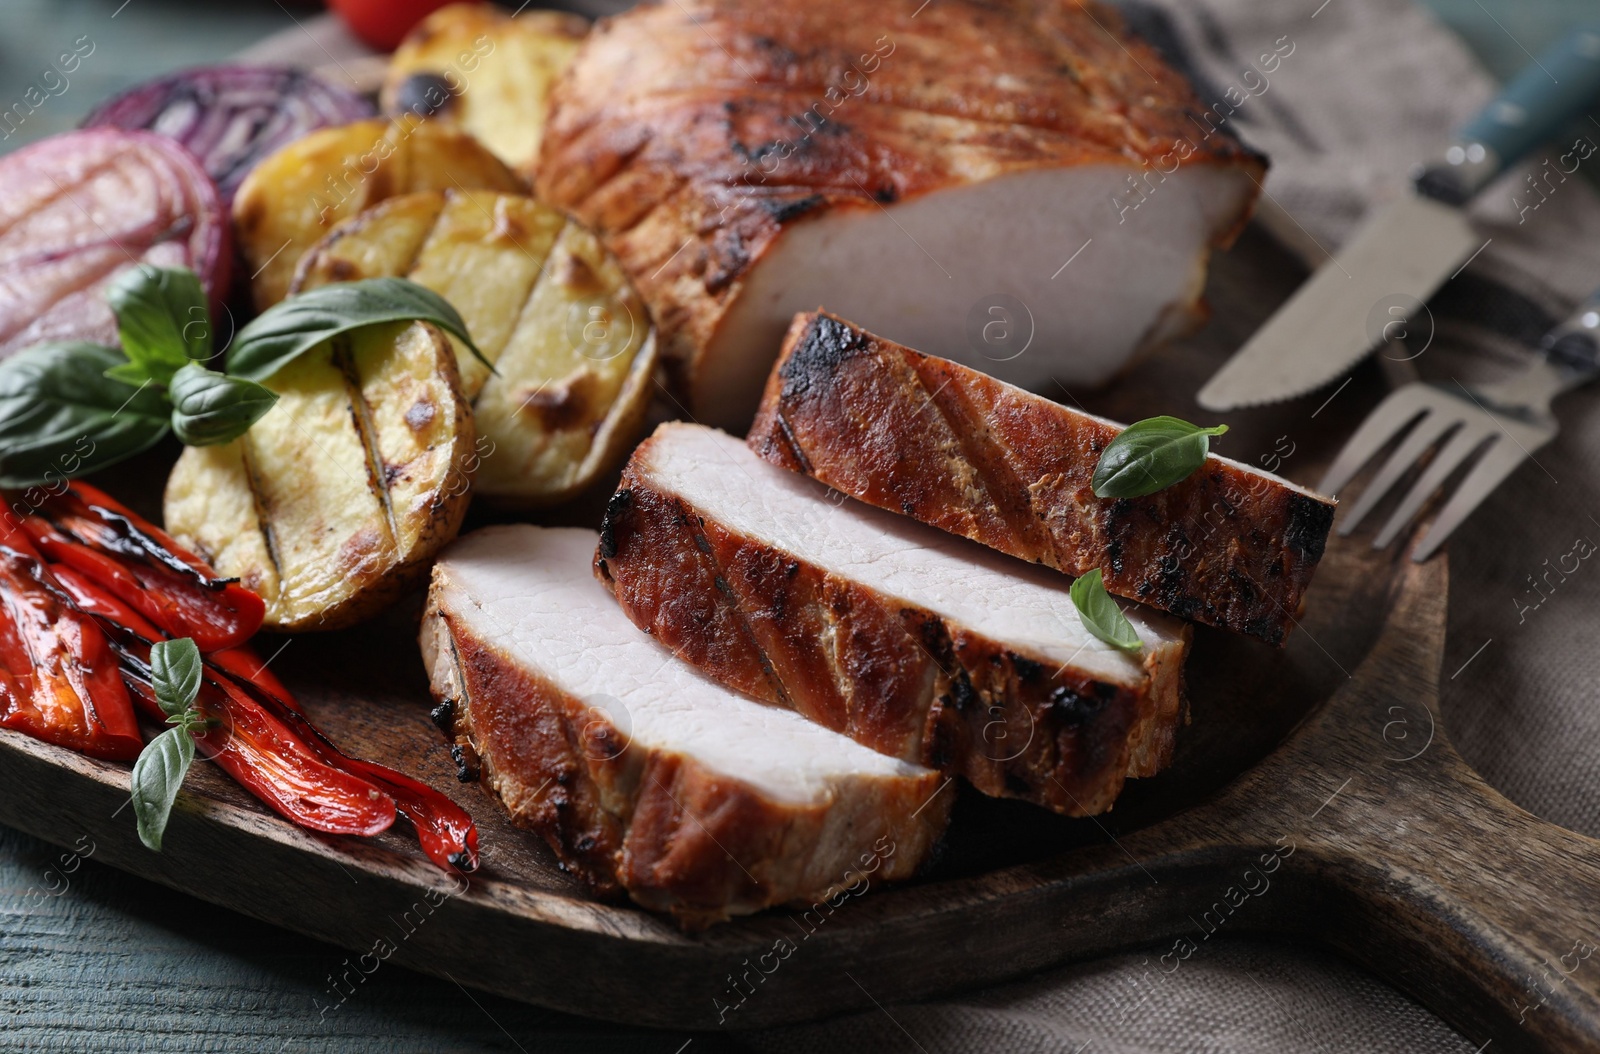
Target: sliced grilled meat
{"x":1231,"y":546}
{"x":643,"y":774}
{"x":911,"y":641}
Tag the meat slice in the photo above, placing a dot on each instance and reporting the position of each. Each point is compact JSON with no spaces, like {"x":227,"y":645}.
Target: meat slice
{"x":641,"y":773}
{"x":929,"y":171}
{"x":1231,"y":546}
{"x":911,"y":641}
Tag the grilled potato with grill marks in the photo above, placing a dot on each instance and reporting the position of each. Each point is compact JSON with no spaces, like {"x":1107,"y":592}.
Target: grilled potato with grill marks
{"x":572,"y":345}
{"x":297,"y":195}
{"x":335,"y":502}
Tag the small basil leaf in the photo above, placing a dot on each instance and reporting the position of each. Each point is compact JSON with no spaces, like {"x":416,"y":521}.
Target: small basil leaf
{"x":1151,"y":455}
{"x":157,"y":775}
{"x":294,"y":326}
{"x":129,"y":373}
{"x":175,"y":674}
{"x":1100,"y":614}
{"x":210,"y":408}
{"x":60,"y":416}
{"x":162,"y":318}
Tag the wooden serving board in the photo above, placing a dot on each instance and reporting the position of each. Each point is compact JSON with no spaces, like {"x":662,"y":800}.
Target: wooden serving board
{"x":1314,"y":795}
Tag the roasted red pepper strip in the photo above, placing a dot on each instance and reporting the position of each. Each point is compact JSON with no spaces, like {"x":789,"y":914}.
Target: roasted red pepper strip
{"x":59,"y":679}
{"x":242,"y":663}
{"x":264,"y":755}
{"x":145,"y":568}
{"x":275,"y":765}
{"x":445,"y":830}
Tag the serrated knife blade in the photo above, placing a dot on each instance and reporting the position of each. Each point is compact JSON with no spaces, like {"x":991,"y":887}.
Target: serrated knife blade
{"x":1402,"y":254}
{"x":1355,"y":301}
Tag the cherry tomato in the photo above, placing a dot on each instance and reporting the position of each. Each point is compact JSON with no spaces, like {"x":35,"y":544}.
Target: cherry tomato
{"x":384,"y":23}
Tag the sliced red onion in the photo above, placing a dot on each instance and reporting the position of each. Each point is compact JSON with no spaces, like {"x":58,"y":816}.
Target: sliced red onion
{"x":79,"y":208}
{"x":231,"y":117}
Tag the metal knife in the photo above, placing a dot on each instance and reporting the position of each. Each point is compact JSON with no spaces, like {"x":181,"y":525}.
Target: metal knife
{"x":1402,"y":254}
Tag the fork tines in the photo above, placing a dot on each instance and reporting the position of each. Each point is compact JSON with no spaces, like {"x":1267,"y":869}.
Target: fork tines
{"x":1433,"y":414}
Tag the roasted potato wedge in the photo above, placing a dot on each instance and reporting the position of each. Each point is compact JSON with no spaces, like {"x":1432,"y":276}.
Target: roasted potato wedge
{"x":571,"y":341}
{"x":476,"y":68}
{"x":335,"y":502}
{"x":299,"y":193}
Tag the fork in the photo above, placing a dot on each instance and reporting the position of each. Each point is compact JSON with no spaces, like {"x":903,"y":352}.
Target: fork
{"x":1507,"y":421}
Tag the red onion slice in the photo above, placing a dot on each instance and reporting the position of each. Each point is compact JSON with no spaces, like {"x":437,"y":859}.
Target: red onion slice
{"x":230,"y":117}
{"x":81,"y":207}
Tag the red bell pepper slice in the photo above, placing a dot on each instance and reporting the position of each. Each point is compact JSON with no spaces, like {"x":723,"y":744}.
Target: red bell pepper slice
{"x":242,"y":663}
{"x":275,"y":765}
{"x":145,"y":568}
{"x":267,"y":758}
{"x":445,"y":830}
{"x":144,"y":587}
{"x":59,"y":679}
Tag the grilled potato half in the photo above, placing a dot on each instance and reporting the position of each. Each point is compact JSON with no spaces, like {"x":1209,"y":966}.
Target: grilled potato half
{"x":571,"y":341}
{"x":335,"y":502}
{"x":476,"y":68}
{"x":299,"y":193}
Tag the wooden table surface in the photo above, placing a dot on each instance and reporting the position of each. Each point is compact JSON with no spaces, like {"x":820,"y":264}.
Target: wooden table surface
{"x":88,"y":954}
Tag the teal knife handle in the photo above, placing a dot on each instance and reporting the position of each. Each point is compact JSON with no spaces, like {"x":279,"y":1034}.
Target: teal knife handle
{"x":1541,"y":99}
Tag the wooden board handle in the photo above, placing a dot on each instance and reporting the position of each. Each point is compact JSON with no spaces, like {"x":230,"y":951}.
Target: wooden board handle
{"x":1408,"y":862}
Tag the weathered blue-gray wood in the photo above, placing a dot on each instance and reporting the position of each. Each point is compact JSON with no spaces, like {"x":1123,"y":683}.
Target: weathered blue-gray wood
{"x":93,"y":959}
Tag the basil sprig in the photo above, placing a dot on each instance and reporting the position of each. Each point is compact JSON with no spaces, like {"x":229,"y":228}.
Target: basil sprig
{"x":1100,"y":614}
{"x":60,"y":416}
{"x":175,"y":673}
{"x":162,"y":322}
{"x":293,"y":327}
{"x":70,"y":409}
{"x":1151,"y":455}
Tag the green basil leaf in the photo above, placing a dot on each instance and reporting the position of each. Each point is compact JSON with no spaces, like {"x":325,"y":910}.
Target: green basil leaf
{"x":61,"y":417}
{"x":1100,"y":614}
{"x":157,"y":775}
{"x":210,"y":407}
{"x":294,"y":326}
{"x":175,"y":674}
{"x":162,"y":320}
{"x":129,"y":373}
{"x":1151,"y":455}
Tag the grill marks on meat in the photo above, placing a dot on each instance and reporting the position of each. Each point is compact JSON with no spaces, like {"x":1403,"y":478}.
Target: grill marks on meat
{"x":916,"y":644}
{"x":1229,"y":546}
{"x":644,"y":776}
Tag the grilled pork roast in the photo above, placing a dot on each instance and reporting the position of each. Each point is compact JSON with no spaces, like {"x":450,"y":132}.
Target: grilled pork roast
{"x":928,"y":171}
{"x":912,"y":641}
{"x":1231,"y":546}
{"x":641,"y":773}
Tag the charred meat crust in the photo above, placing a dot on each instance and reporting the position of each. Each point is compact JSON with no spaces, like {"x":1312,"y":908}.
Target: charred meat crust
{"x":959,"y":450}
{"x":895,"y":678}
{"x":519,"y":729}
{"x":749,"y":117}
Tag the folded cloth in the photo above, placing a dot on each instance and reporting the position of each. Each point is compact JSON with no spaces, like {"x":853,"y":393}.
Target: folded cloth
{"x":1361,"y":91}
